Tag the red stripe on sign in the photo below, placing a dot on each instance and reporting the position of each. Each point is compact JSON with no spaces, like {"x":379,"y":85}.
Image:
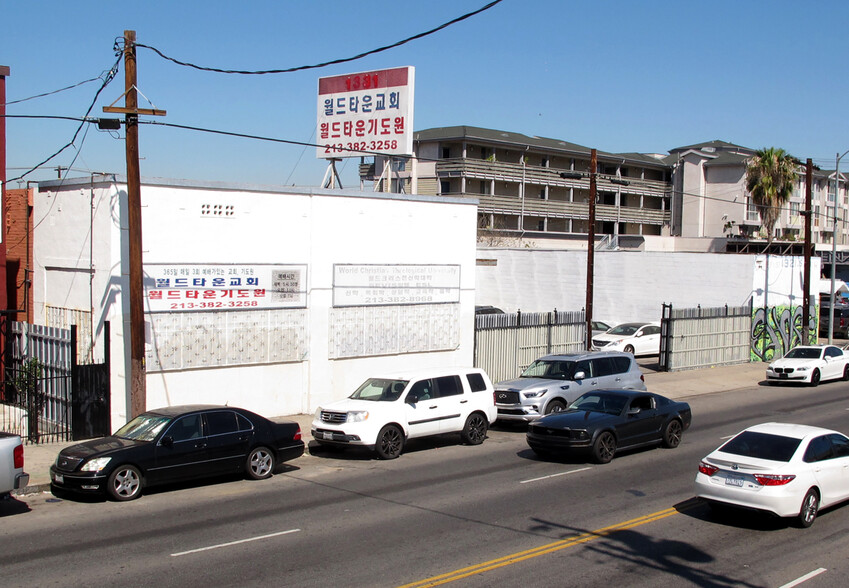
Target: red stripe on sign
{"x":367,"y":80}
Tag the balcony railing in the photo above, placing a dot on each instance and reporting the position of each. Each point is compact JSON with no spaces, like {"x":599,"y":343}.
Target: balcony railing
{"x":512,"y":205}
{"x":546,"y":176}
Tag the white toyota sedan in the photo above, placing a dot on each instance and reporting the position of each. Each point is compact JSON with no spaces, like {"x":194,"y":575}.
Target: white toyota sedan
{"x":810,"y":364}
{"x":784,"y":469}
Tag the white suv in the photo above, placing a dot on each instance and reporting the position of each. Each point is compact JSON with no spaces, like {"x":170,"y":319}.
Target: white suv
{"x":386,"y":411}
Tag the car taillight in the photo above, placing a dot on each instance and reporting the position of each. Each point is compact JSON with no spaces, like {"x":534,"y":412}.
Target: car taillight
{"x":773,"y":479}
{"x":707,"y":469}
{"x":19,"y":457}
{"x":642,"y":377}
{"x":298,"y":433}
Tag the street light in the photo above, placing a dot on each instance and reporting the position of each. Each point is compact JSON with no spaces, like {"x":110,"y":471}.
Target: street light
{"x":834,"y":246}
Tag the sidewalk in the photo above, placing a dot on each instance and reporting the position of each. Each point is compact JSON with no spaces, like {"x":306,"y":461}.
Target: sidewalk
{"x":39,"y":458}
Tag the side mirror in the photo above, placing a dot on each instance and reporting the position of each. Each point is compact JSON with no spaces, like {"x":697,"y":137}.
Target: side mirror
{"x":579,"y":376}
{"x":411,"y":399}
{"x":167,"y":441}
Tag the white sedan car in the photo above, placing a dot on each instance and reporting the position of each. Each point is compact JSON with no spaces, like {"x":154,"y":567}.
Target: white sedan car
{"x":634,"y":338}
{"x":810,"y":364}
{"x":784,"y":469}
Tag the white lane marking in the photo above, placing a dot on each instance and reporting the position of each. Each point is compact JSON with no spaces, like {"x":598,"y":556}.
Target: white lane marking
{"x":555,"y":475}
{"x":235,"y":542}
{"x":804,"y":578}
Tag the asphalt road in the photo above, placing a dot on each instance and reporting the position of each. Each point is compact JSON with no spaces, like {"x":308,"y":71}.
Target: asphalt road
{"x":491,"y":515}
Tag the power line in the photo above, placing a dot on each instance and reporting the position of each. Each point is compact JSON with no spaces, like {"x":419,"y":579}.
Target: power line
{"x":109,"y":76}
{"x":78,"y":84}
{"x":326,"y":63}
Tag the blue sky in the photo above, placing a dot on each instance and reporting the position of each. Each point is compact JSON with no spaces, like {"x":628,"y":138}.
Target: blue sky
{"x":625,"y":76}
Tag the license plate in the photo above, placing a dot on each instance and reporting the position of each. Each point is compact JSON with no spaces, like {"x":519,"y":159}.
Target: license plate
{"x":59,"y":478}
{"x":328,"y":436}
{"x":782,"y":375}
{"x":734,"y":481}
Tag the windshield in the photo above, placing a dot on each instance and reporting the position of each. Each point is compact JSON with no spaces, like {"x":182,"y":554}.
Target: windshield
{"x":144,"y":427}
{"x":379,"y":389}
{"x":626,"y":329}
{"x":605,"y":403}
{"x":804,"y":353}
{"x":553,"y":369}
{"x":762,"y":446}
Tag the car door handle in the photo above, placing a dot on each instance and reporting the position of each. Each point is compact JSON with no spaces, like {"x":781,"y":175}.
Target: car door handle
{"x":432,"y":407}
{"x":200,"y":445}
{"x":463,"y":401}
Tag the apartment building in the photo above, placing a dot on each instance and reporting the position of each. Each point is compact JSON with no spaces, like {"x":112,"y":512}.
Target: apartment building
{"x":533,"y":186}
{"x":538,"y":188}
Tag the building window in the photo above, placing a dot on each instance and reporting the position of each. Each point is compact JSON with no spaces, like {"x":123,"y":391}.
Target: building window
{"x":541,"y":225}
{"x":486,"y":153}
{"x":485,"y":187}
{"x":542,"y":194}
{"x":446,"y":153}
{"x":794,"y":209}
{"x":751,"y":211}
{"x":444,"y":187}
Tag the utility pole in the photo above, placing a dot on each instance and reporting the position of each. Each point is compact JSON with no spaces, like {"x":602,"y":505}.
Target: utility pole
{"x":591,"y":247}
{"x":806,"y":290}
{"x":131,"y":111}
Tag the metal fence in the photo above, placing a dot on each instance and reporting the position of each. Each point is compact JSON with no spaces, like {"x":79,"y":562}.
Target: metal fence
{"x":505,"y":344}
{"x":37,"y":383}
{"x":45,"y":394}
{"x":700,"y":337}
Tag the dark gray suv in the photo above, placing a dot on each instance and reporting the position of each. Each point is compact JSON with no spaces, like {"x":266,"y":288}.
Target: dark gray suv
{"x":841,"y":321}
{"x":553,"y":382}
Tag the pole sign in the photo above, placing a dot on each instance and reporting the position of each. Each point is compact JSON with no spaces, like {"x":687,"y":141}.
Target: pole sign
{"x":366,"y":113}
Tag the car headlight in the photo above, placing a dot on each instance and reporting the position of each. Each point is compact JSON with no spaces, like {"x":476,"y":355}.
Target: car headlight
{"x":536,"y":394}
{"x":357,"y":416}
{"x":95,"y":465}
{"x":803,"y":368}
{"x":318,"y":413}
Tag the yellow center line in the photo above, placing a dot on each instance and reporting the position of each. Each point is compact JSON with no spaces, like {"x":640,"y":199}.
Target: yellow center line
{"x":538,"y":551}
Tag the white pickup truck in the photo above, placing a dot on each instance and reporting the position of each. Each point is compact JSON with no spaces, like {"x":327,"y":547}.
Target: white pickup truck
{"x":12,"y":476}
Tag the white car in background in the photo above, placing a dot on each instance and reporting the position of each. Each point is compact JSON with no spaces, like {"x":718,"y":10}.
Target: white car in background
{"x":634,"y":338}
{"x":784,"y":469}
{"x":810,"y":364}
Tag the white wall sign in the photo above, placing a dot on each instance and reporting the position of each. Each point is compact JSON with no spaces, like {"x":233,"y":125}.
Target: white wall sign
{"x":377,"y":285}
{"x":366,"y":112}
{"x":196,"y":287}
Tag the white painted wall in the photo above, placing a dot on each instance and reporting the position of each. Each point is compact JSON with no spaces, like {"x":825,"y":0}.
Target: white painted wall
{"x":317,"y":228}
{"x":631,"y":286}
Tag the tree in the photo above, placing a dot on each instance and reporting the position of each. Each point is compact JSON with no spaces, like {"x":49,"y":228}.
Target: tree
{"x":770,"y":177}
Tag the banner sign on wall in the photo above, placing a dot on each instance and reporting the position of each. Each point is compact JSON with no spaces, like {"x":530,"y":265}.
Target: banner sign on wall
{"x":191,"y":287}
{"x":370,"y":111}
{"x":379,"y":285}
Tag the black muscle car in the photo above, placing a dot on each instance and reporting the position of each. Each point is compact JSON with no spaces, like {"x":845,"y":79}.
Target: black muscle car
{"x":605,"y":421}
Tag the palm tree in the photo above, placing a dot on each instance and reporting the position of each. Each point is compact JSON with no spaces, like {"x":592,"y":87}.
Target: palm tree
{"x":770,"y":176}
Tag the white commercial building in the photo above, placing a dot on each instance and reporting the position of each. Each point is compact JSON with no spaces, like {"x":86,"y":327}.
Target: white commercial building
{"x":273,"y":299}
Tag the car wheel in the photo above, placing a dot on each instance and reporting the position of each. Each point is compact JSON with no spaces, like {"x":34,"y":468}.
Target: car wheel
{"x":629,"y":349}
{"x":260,"y":463}
{"x":810,"y":506}
{"x":846,"y":373}
{"x":672,"y":434}
{"x":555,"y":406}
{"x":474,"y":431}
{"x":124,"y":483}
{"x":390,"y":442}
{"x":604,"y":447}
{"x":815,"y":378}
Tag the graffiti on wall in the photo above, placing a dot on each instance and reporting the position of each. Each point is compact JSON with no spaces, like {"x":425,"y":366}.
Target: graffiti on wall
{"x":777,"y":329}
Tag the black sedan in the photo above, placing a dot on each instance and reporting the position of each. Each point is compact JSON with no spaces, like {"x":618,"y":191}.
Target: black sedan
{"x":175,"y":444}
{"x":604,"y":421}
